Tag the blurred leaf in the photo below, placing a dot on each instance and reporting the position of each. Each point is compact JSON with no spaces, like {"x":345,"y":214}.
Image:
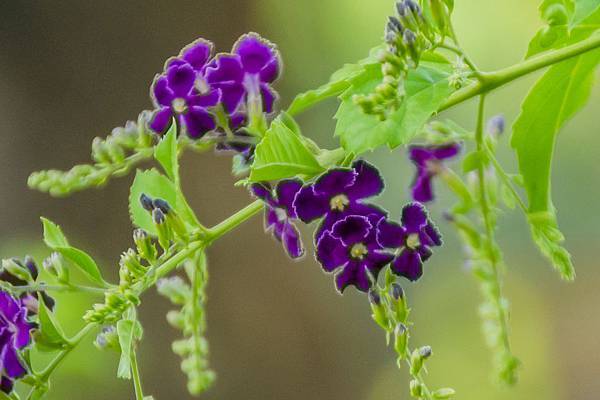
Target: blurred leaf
{"x":473,"y":160}
{"x":584,"y":8}
{"x":282,"y":154}
{"x":426,"y":89}
{"x":51,"y":336}
{"x":129,"y":330}
{"x":549,"y":239}
{"x":165,"y":153}
{"x":153,"y":184}
{"x":56,"y":240}
{"x":560,"y":93}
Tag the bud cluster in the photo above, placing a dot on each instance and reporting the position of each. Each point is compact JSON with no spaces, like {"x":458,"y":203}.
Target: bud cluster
{"x":114,"y":155}
{"x":169,"y":225}
{"x":407,"y":35}
{"x":16,"y":274}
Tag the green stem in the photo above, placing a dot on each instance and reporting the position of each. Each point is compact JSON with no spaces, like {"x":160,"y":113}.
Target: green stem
{"x":137,"y":381}
{"x":232,"y":222}
{"x":493,"y":80}
{"x":57,"y":288}
{"x":506,"y":180}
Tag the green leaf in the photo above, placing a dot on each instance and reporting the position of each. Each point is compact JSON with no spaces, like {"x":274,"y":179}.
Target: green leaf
{"x":165,"y":153}
{"x":50,"y":336}
{"x":560,"y":93}
{"x":473,"y":161}
{"x":53,"y":236}
{"x":584,"y":8}
{"x":283,"y":154}
{"x":549,"y":239}
{"x":129,"y":331}
{"x":153,"y":184}
{"x":56,"y":240}
{"x":426,"y":89}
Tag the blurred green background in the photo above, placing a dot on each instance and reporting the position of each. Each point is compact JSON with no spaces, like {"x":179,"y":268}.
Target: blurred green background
{"x":71,"y":70}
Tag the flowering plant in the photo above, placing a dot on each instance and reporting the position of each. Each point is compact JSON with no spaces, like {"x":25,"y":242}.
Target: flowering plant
{"x":228,"y":102}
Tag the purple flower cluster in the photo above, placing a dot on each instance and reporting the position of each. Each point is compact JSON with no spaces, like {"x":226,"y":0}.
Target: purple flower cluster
{"x":428,"y":160}
{"x":355,"y":239}
{"x":197,"y":87}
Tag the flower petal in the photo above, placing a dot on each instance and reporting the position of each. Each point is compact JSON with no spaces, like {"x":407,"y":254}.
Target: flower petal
{"x":268,"y":98}
{"x":331,"y":253}
{"x":263,"y":191}
{"x":181,"y":79}
{"x":286,"y":193}
{"x":271,"y":218}
{"x":255,"y":52}
{"x":161,"y":120}
{"x":355,"y":273}
{"x":408,"y":264}
{"x":420,"y":154}
{"x":227,"y":68}
{"x":161,"y":94}
{"x":232,"y":95}
{"x":351,"y":229}
{"x":335,"y":181}
{"x":432,"y":232}
{"x":270,"y":72}
{"x":292,"y":242}
{"x":421,"y":187}
{"x":198,"y":121}
{"x":197,"y":53}
{"x":6,"y":384}
{"x":310,"y":206}
{"x":11,"y":363}
{"x":390,"y":234}
{"x":368,"y":181}
{"x":414,"y":217}
{"x":445,"y":151}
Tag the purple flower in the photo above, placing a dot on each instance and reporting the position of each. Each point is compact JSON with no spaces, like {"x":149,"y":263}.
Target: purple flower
{"x":15,"y":334}
{"x":182,"y":93}
{"x":412,"y":240}
{"x":351,"y":249}
{"x":279,"y":213}
{"x":244,"y":76}
{"x":339,"y":193}
{"x":428,"y":160}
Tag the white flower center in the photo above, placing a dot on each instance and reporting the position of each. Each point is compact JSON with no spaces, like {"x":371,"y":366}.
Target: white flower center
{"x":179,"y":105}
{"x":339,"y":202}
{"x":413,"y":241}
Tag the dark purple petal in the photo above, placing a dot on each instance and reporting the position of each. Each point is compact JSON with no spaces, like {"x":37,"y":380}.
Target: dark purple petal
{"x":11,"y":363}
{"x":424,"y":252}
{"x":181,"y":80}
{"x":161,"y":120}
{"x":6,"y":384}
{"x":420,"y":155}
{"x":9,"y":307}
{"x":432,"y":232}
{"x":161,"y":93}
{"x":372,"y":212}
{"x":376,"y":260}
{"x":263,"y":191}
{"x":445,"y":151}
{"x":355,"y":273}
{"x":255,"y":53}
{"x":421,"y":188}
{"x":228,"y":68}
{"x":197,"y":53}
{"x":232,"y":95}
{"x":331,"y":253}
{"x":335,"y":181}
{"x":414,"y":217}
{"x":309,"y":206}
{"x":268,"y":98}
{"x":352,"y":229}
{"x":408,"y":264}
{"x":209,"y":99}
{"x":270,"y":72}
{"x":390,"y":234}
{"x":286,"y":193}
{"x":368,"y":181}
{"x":198,"y":121}
{"x":292,"y":242}
{"x":271,"y":218}
{"x":22,"y":329}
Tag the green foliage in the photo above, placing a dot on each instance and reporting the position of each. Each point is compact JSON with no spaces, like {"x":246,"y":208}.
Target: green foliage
{"x":584,"y":8}
{"x":129,"y":331}
{"x":283,"y":153}
{"x":165,"y":153}
{"x":426,"y":89}
{"x":50,"y":336}
{"x":56,"y":240}
{"x":154,"y":184}
{"x":549,"y":239}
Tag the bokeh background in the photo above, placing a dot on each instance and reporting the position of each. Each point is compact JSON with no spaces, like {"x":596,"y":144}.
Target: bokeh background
{"x":71,"y":70}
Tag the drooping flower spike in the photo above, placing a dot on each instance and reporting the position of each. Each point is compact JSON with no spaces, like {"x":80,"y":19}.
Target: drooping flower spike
{"x":279,"y":213}
{"x":338,"y":193}
{"x":15,"y":335}
{"x":412,"y":241}
{"x":245,"y":75}
{"x":351,"y":249}
{"x":428,"y":160}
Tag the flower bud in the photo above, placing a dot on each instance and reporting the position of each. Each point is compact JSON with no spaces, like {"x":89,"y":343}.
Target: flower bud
{"x":115,"y":151}
{"x":162,"y":228}
{"x":416,"y":389}
{"x":100,"y":152}
{"x":130,"y":261}
{"x":30,"y":264}
{"x":379,"y":313}
{"x":444,"y":393}
{"x":175,"y":289}
{"x":496,"y":125}
{"x":163,"y":205}
{"x":146,"y":202}
{"x":417,"y":357}
{"x":55,"y":265}
{"x":108,"y":339}
{"x":401,"y":340}
{"x":176,"y":319}
{"x":145,"y":247}
{"x":396,"y":292}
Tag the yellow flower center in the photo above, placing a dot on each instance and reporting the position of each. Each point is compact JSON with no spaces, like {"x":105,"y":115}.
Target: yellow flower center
{"x":201,"y":85}
{"x":358,"y":251}
{"x":413,"y":241}
{"x":339,"y":202}
{"x":179,"y":105}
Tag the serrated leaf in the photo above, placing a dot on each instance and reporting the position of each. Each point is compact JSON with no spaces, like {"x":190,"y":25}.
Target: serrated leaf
{"x":129,"y":331}
{"x":556,"y":97}
{"x":154,"y":184}
{"x":549,"y":239}
{"x":50,"y":336}
{"x":165,"y":153}
{"x":282,"y":154}
{"x":426,"y":89}
{"x":56,"y":240}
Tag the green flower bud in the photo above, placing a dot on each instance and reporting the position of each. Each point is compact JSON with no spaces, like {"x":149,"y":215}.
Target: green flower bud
{"x":100,"y":152}
{"x":444,"y":393}
{"x":176,"y":319}
{"x":175,"y":289}
{"x":416,"y":389}
{"x":108,"y":339}
{"x":130,"y":261}
{"x":16,"y":269}
{"x":145,"y":247}
{"x":379,"y":312}
{"x":401,"y":340}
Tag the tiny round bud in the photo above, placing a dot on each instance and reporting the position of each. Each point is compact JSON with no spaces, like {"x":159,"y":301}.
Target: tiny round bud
{"x":146,"y":202}
{"x":158,"y":216}
{"x":163,"y":205}
{"x":31,"y":266}
{"x":397,"y":292}
{"x":374,"y":297}
{"x":425,"y":351}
